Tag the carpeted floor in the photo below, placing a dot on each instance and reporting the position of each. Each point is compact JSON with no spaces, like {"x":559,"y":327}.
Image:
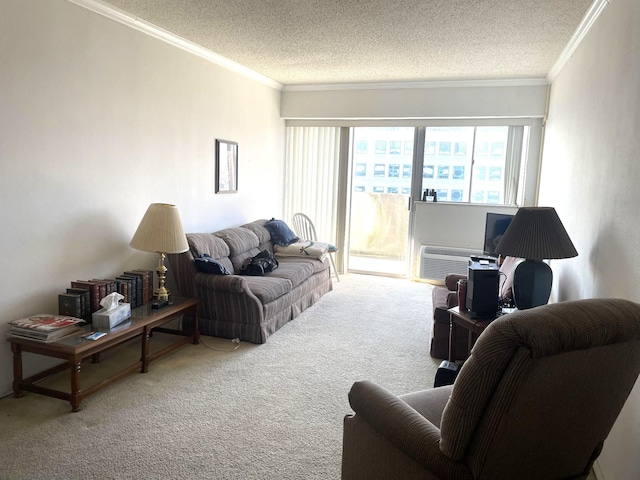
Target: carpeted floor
{"x":271,"y":411}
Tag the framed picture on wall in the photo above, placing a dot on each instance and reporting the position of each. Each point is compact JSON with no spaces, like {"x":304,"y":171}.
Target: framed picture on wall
{"x":226,"y":166}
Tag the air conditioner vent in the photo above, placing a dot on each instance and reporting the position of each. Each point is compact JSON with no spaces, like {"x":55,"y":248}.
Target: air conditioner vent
{"x":436,"y":262}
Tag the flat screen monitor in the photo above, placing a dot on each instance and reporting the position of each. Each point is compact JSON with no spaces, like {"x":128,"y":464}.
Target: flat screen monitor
{"x":495,"y":226}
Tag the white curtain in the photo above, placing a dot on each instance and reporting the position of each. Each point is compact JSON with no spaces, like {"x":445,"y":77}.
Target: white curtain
{"x":512,"y":164}
{"x":311,"y":177}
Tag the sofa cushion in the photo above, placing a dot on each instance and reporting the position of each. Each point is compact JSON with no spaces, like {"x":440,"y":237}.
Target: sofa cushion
{"x":264,"y":237}
{"x":316,"y":265}
{"x":242,"y":243}
{"x":207,"y":244}
{"x":268,"y":288}
{"x":280,"y":232}
{"x":295,"y":272}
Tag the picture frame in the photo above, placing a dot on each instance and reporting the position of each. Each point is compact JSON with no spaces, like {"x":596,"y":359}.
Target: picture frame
{"x":226,"y":166}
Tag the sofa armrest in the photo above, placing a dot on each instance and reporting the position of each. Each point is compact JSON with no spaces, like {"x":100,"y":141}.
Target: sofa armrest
{"x":403,"y":427}
{"x":451,"y":281}
{"x":222,"y":283}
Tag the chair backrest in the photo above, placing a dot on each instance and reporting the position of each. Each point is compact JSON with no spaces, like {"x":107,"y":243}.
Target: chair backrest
{"x":303,"y":226}
{"x":542,"y":389}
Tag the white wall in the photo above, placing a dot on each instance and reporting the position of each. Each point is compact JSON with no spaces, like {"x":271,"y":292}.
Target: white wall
{"x":591,"y":173}
{"x":97,"y":121}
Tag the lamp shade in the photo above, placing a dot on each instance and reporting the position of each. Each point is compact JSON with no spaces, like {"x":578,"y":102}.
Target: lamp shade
{"x":160,"y":230}
{"x":536,"y":233}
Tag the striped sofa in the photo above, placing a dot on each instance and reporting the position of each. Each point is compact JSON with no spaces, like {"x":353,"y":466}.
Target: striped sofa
{"x":246,"y":307}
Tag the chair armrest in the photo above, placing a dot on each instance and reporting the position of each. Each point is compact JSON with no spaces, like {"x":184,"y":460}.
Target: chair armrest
{"x":451,"y":281}
{"x":222,"y":283}
{"x":404,"y":427}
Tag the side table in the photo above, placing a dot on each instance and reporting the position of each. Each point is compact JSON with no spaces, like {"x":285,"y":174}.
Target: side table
{"x":475,"y":326}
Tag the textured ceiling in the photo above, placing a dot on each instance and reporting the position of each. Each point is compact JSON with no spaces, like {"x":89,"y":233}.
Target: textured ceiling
{"x":299,"y":42}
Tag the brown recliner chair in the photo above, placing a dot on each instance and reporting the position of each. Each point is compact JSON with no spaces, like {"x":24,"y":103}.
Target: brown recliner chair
{"x":535,"y":400}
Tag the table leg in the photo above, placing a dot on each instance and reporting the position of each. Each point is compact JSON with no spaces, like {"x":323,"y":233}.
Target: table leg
{"x":452,"y":339}
{"x":144,"y":360}
{"x":17,"y":370}
{"x":76,"y":363}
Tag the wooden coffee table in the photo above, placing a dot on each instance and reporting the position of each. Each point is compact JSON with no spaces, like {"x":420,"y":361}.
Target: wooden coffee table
{"x":475,"y":326}
{"x":74,"y":349}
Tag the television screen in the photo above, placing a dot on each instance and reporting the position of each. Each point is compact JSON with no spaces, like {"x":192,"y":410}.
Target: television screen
{"x":495,"y":226}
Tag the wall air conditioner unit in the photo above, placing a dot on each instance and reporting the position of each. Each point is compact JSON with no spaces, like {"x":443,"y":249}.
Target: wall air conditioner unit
{"x":437,"y":262}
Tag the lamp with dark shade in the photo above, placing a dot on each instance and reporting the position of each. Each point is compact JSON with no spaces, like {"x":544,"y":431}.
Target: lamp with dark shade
{"x":535,"y":234}
{"x":160,"y":231}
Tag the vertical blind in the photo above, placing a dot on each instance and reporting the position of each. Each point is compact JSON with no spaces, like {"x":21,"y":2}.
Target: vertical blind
{"x":311,"y":177}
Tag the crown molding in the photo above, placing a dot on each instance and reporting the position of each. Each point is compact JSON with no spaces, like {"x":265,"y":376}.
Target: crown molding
{"x":507,"y":82}
{"x":585,"y":25}
{"x":120,"y":16}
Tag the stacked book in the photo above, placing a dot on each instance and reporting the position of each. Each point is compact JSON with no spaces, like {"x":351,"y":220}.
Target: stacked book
{"x":84,"y":296}
{"x":46,"y":327}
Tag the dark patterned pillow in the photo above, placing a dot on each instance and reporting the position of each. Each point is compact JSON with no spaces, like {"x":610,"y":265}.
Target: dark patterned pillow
{"x":205,"y":264}
{"x":280,"y":232}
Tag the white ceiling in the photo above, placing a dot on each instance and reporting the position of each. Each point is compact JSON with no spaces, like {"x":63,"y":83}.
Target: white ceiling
{"x":306,"y":42}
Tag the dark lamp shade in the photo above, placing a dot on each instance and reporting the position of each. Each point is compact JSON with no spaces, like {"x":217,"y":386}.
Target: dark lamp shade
{"x":160,"y":231}
{"x":536,"y":233}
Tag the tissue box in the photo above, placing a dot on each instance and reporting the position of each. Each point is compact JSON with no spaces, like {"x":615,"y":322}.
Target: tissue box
{"x":106,"y":319}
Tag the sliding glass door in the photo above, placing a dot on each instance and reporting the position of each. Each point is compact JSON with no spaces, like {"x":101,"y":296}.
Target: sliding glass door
{"x":382,"y":168}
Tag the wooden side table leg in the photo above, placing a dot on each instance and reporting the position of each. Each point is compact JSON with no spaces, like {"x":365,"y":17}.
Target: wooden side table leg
{"x":144,"y":355}
{"x":453,"y":328}
{"x":76,"y":396}
{"x":17,"y":370}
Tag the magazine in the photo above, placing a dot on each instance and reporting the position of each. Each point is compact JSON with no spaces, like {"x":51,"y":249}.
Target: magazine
{"x":46,"y":322}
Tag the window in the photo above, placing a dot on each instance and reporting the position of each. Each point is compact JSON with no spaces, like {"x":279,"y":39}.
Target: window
{"x":406,"y":190}
{"x":361,"y":170}
{"x":460,"y":148}
{"x":378,"y":189}
{"x":458,"y":173}
{"x":392,"y":189}
{"x":445,"y":148}
{"x":394,"y":147}
{"x":495,"y":173}
{"x":406,"y":171}
{"x":358,"y":188}
{"x":362,"y":147}
{"x":381,"y":146}
{"x":408,"y":147}
{"x":394,"y":170}
{"x":378,"y":170}
{"x":497,"y":149}
{"x":430,"y":148}
{"x":485,"y":167}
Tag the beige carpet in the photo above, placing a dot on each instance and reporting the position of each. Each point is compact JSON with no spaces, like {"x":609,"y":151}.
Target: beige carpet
{"x":271,"y":411}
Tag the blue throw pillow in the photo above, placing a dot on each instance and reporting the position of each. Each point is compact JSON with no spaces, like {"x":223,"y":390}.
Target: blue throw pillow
{"x":280,"y":232}
{"x":205,"y":264}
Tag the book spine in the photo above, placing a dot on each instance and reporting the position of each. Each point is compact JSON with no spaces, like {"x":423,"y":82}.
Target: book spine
{"x":70,"y":304}
{"x":147,"y":284}
{"x":94,"y":290}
